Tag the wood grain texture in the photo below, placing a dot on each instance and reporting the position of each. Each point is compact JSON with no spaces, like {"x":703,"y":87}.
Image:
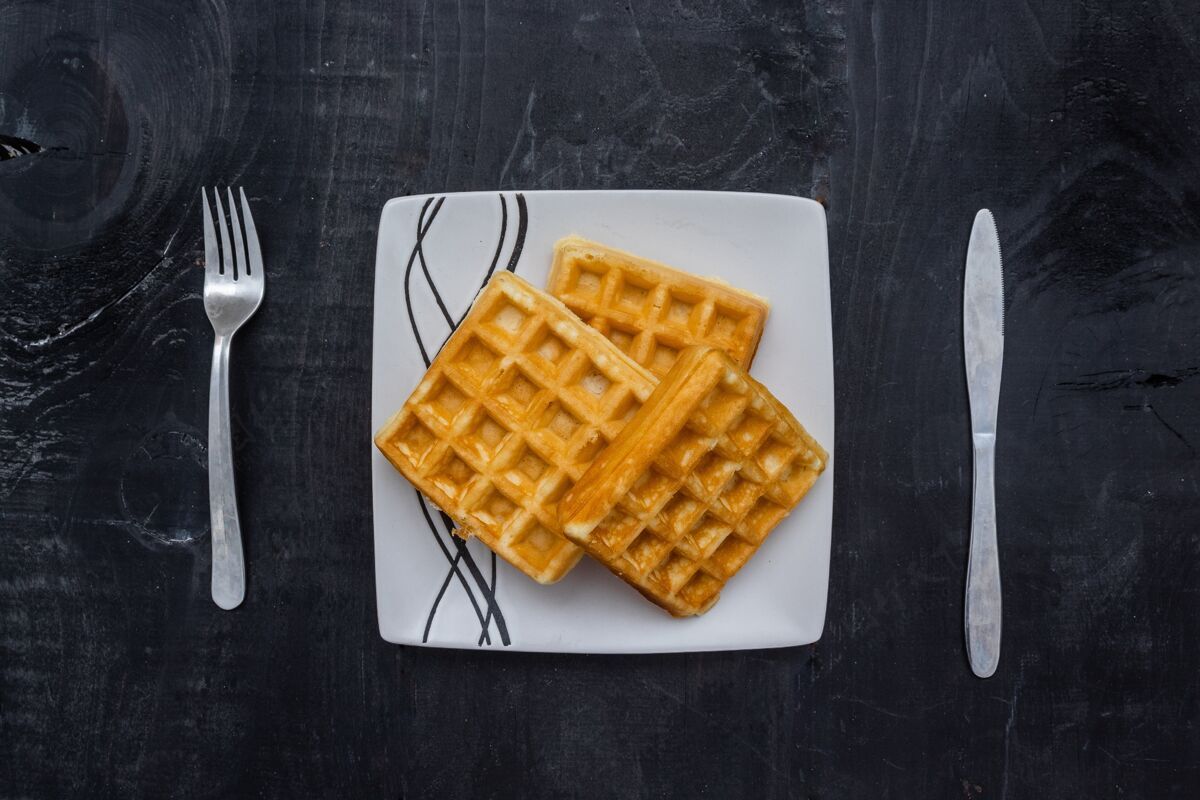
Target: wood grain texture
{"x":1076,"y":123}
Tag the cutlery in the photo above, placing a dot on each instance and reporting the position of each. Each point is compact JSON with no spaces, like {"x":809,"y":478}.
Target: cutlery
{"x":233,"y":290}
{"x":983,"y":346}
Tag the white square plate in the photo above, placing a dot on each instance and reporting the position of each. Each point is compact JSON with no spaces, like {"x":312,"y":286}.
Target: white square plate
{"x":435,"y":590}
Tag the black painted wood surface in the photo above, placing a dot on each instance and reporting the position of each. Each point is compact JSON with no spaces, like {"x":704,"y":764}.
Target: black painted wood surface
{"x":1076,"y":122}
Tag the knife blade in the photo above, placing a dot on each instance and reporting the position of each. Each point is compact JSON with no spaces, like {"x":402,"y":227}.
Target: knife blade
{"x":983,"y":349}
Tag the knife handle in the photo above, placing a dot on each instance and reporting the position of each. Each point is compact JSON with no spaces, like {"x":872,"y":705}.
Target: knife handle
{"x":982,"y":606}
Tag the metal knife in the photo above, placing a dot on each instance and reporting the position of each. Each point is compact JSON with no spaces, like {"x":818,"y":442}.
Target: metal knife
{"x":983,"y":346}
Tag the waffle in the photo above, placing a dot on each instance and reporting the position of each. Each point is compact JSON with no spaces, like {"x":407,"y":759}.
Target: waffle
{"x":692,"y":486}
{"x":512,"y":411}
{"x":652,"y":311}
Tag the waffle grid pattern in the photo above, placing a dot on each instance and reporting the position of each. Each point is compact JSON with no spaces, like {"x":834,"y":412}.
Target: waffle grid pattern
{"x":702,"y":505}
{"x":651,"y":311}
{"x":510,"y":414}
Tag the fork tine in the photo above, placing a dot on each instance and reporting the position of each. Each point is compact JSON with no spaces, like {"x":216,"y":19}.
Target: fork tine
{"x":226,"y":250}
{"x":254,"y":264}
{"x":239,"y":246}
{"x":211,"y":256}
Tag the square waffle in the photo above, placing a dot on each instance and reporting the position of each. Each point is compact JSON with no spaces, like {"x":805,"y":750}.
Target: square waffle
{"x":691,"y":487}
{"x":512,"y":411}
{"x":652,"y":311}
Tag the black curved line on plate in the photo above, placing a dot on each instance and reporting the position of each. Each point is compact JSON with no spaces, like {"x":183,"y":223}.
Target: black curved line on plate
{"x":437,"y":297}
{"x":437,"y":600}
{"x":493,"y":588}
{"x":499,"y":246}
{"x":463,"y":555}
{"x":522,"y":224}
{"x":442,"y":591}
{"x":495,"y":256}
{"x":488,"y":592}
{"x":422,"y":229}
{"x":453,"y":561}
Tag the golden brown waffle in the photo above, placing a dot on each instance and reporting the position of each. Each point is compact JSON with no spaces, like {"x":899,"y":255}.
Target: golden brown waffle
{"x":511,"y":412}
{"x":692,"y":486}
{"x":652,"y":311}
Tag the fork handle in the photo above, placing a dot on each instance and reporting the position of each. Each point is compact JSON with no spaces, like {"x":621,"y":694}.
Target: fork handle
{"x":982,"y":606}
{"x":228,"y":566}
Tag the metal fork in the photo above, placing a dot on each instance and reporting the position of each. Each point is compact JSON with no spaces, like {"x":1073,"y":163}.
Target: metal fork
{"x":233,"y":290}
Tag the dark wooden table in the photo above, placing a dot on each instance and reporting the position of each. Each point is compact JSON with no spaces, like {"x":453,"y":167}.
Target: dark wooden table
{"x":1078,"y":123}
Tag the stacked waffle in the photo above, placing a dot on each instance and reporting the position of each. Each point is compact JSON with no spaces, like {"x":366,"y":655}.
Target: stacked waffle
{"x":612,"y":415}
